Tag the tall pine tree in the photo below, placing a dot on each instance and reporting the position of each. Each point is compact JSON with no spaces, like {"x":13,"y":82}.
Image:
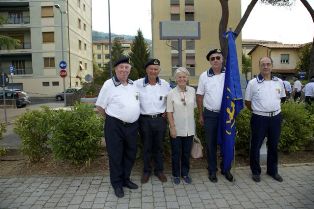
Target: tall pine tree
{"x":139,"y":54}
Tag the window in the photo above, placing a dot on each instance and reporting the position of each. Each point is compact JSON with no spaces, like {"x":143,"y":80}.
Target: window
{"x":174,"y":45}
{"x":107,"y":56}
{"x":284,"y":58}
{"x":84,"y":27}
{"x":190,"y":63}
{"x":45,"y":83}
{"x":99,"y":65}
{"x":106,"y":46}
{"x":46,"y":11}
{"x":79,"y":23}
{"x":189,"y":2}
{"x":49,"y":62}
{"x":174,"y":2}
{"x":99,"y":56}
{"x":190,"y":44}
{"x":189,"y":16}
{"x":80,"y":44}
{"x":175,"y":17}
{"x":174,"y":62}
{"x":85,"y":46}
{"x":55,"y":83}
{"x":99,"y":47}
{"x":48,"y":37}
{"x":19,"y":66}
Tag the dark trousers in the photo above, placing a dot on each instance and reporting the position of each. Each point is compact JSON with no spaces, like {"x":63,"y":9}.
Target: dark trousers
{"x":211,"y":120}
{"x":297,"y":95}
{"x":261,"y":127}
{"x":180,"y":155}
{"x":153,"y":132}
{"x":309,"y":100}
{"x":121,"y":148}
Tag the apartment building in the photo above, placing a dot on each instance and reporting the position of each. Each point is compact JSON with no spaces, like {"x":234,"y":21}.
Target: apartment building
{"x":101,"y":51}
{"x":49,"y":32}
{"x":208,"y":14}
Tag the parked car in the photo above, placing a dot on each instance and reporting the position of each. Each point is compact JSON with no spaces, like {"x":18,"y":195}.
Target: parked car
{"x":21,"y":97}
{"x":69,"y":91}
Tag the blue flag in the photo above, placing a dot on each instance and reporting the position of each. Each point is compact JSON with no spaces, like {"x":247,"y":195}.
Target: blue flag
{"x":231,"y":105}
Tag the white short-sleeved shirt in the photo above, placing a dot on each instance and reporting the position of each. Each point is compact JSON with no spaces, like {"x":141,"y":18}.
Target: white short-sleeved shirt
{"x":152,"y":97}
{"x":297,"y":85}
{"x":265,"y":95}
{"x":119,"y":101}
{"x":183,"y":114}
{"x":309,"y":89}
{"x":287,"y":86}
{"x":211,"y":86}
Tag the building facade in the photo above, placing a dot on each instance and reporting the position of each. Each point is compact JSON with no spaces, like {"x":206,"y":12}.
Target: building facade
{"x":284,"y":56}
{"x":49,"y":32}
{"x":208,"y":14}
{"x":101,"y":51}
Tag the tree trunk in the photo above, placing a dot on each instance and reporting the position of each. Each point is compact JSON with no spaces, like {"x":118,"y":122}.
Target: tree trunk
{"x":223,"y":26}
{"x":245,"y":17}
{"x":311,"y":11}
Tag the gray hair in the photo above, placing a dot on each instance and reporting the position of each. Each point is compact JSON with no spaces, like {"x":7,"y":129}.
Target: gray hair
{"x":182,"y":70}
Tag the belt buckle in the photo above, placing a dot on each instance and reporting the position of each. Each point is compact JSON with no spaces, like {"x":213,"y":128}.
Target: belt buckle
{"x":154,"y":116}
{"x":271,"y":114}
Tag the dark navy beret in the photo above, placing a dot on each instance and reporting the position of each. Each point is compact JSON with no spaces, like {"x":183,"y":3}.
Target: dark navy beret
{"x":152,"y":62}
{"x":122,"y":60}
{"x":213,"y":51}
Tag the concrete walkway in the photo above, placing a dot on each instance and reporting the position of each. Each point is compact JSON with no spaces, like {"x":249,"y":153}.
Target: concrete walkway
{"x":296,"y":191}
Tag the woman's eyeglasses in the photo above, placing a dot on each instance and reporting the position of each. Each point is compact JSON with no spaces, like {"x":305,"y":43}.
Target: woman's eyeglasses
{"x":213,"y":58}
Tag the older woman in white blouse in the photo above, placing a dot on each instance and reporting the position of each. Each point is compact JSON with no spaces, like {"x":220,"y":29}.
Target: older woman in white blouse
{"x":180,"y":112}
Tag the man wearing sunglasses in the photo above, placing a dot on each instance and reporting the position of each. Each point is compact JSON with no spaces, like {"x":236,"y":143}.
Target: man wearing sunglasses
{"x":209,"y":96}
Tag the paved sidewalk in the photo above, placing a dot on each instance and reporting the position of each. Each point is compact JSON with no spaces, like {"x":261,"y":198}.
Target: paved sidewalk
{"x":297,"y":191}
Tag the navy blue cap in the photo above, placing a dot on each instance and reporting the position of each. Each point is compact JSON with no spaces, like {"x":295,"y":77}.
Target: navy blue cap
{"x":213,"y":51}
{"x":152,"y":62}
{"x":122,"y":59}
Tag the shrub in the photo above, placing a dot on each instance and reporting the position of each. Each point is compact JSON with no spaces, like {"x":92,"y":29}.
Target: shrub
{"x":243,"y":134}
{"x":77,"y":134}
{"x":2,"y":129}
{"x":34,"y":128}
{"x":297,"y":127}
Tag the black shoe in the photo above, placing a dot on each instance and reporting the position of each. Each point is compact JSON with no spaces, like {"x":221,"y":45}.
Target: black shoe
{"x":277,"y":177}
{"x":118,"y":191}
{"x":256,"y":178}
{"x":129,"y":184}
{"x":228,"y":175}
{"x":213,"y":178}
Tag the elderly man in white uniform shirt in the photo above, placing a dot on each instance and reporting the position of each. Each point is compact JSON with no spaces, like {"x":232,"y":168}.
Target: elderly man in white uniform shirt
{"x":209,"y":96}
{"x":297,"y":89}
{"x":309,"y":91}
{"x":118,"y":101}
{"x":153,"y":124}
{"x":263,"y":97}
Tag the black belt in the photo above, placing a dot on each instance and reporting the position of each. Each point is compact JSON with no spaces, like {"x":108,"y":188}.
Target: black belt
{"x":152,"y":116}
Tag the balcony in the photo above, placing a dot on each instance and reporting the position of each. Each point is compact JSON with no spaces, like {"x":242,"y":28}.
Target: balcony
{"x":19,"y":71}
{"x":18,"y":20}
{"x":23,"y":45}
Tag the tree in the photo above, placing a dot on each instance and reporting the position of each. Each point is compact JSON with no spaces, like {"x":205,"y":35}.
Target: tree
{"x":246,"y":65}
{"x":225,"y":17}
{"x":305,"y":58}
{"x":139,"y":54}
{"x":116,"y":53}
{"x":6,"y":41}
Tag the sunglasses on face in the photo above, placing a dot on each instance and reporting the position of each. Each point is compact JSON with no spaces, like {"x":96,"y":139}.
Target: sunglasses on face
{"x":213,"y":58}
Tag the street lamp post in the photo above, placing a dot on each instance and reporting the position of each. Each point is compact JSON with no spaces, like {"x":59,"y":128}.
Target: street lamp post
{"x":62,"y":49}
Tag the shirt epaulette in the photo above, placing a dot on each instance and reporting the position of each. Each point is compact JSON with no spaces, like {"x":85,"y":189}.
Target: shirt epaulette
{"x":210,"y":72}
{"x":145,"y":81}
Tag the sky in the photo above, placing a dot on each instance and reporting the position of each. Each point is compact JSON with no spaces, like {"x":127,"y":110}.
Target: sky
{"x":292,"y":25}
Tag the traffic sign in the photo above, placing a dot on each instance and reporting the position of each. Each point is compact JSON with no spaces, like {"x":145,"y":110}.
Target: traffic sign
{"x":11,"y":67}
{"x":63,"y":73}
{"x":63,"y":64}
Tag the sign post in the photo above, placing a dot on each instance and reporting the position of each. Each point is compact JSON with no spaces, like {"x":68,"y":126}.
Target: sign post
{"x":11,"y":68}
{"x":63,"y":74}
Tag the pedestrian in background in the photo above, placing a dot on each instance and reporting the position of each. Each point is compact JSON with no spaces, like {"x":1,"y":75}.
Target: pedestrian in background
{"x":288,"y":88}
{"x":153,"y":121}
{"x":309,"y":91}
{"x":209,"y":96}
{"x":118,"y":102}
{"x":297,"y":89}
{"x":263,"y":97}
{"x":181,"y":102}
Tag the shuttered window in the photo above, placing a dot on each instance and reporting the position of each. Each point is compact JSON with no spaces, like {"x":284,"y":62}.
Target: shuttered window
{"x":48,"y":37}
{"x":49,"y":62}
{"x":46,"y":11}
